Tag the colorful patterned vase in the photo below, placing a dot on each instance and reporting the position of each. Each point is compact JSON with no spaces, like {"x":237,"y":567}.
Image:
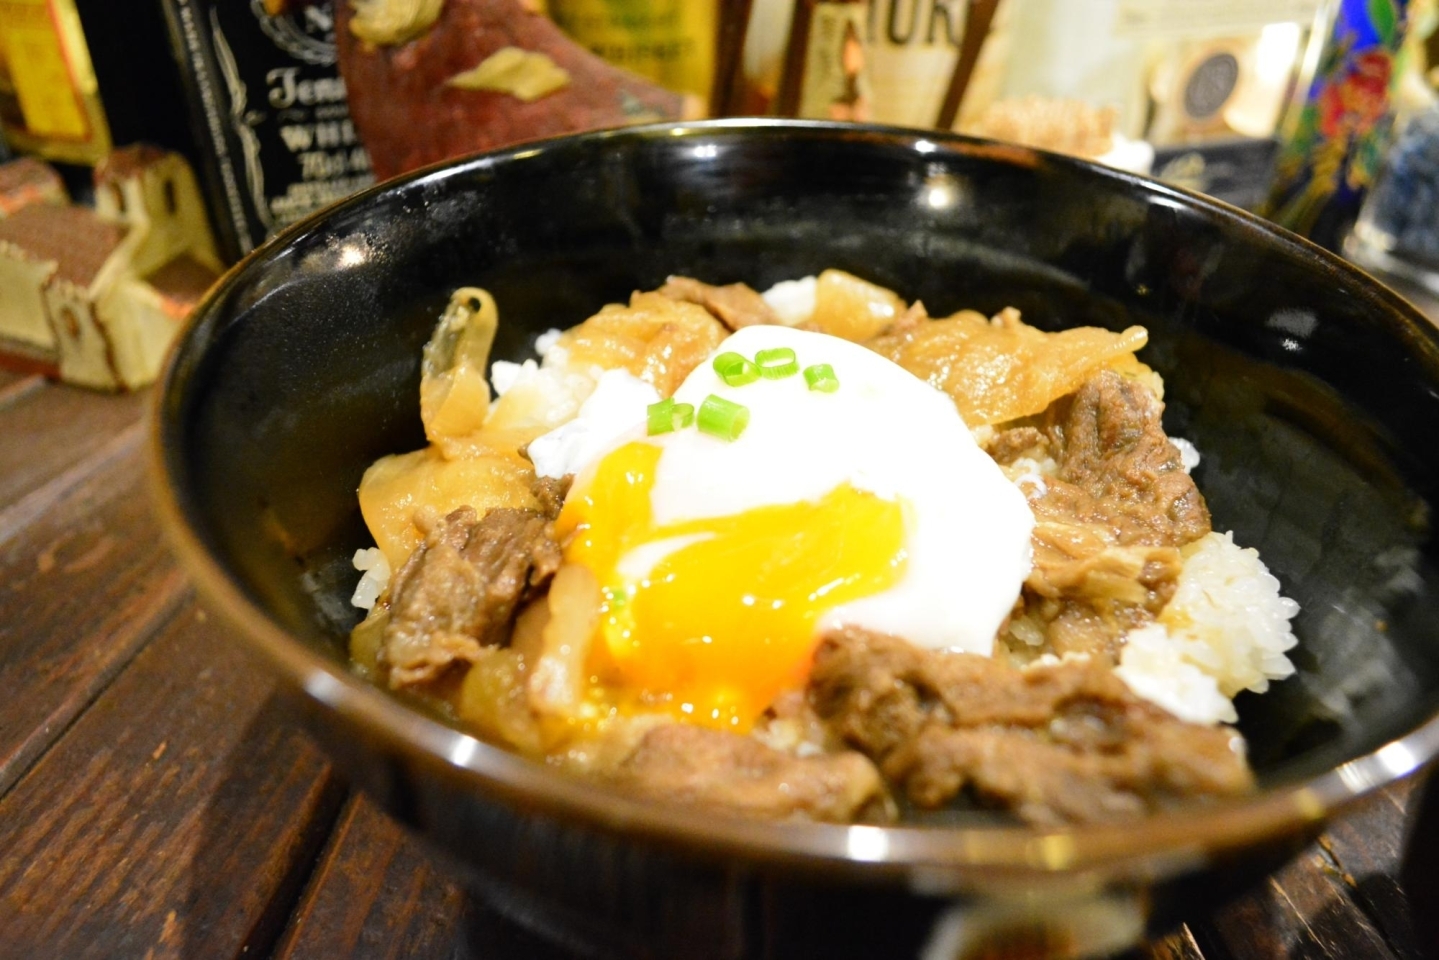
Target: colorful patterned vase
{"x":1336,"y":147}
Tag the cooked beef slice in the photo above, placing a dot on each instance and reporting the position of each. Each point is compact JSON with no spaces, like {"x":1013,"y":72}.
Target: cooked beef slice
{"x":1118,"y":469}
{"x":550,"y":494}
{"x":1006,"y":446}
{"x":735,"y":305}
{"x":1095,"y":629}
{"x":1083,"y":563}
{"x":734,"y":773}
{"x":458,"y":592}
{"x":1109,"y":526}
{"x":1058,"y":743}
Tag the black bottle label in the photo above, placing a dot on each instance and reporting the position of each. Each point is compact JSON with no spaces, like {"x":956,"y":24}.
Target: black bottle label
{"x":271,"y":113}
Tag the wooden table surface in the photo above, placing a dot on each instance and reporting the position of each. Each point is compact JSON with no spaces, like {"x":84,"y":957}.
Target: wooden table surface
{"x":153,"y":804}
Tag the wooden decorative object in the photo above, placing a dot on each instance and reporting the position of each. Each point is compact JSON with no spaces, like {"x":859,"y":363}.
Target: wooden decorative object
{"x":976,"y":28}
{"x":29,"y":180}
{"x":94,"y":297}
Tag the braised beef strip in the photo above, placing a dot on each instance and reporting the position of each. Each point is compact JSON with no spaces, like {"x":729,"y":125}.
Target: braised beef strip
{"x":1006,"y":446}
{"x":1060,"y":743}
{"x":680,"y":763}
{"x":1111,"y":447}
{"x":1109,"y":527}
{"x":459,"y":591}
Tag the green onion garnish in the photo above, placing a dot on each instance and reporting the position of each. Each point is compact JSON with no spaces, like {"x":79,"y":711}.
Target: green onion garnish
{"x":668,"y":416}
{"x":821,"y":377}
{"x":722,"y":418}
{"x":736,"y":370}
{"x":776,"y":364}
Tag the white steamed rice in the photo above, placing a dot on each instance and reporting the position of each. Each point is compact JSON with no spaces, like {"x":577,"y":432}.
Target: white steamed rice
{"x":376,"y":579}
{"x":1225,"y":630}
{"x":548,"y":393}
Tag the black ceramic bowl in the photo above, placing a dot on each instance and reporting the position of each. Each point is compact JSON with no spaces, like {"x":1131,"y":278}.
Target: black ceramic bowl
{"x":1312,"y":392}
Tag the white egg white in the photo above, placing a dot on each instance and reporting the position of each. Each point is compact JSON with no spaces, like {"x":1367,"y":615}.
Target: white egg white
{"x":884,"y":431}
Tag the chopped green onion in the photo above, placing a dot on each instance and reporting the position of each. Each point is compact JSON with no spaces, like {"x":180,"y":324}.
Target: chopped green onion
{"x":735,"y":369}
{"x":776,"y":364}
{"x":722,"y":418}
{"x":668,"y":416}
{"x":821,"y":377}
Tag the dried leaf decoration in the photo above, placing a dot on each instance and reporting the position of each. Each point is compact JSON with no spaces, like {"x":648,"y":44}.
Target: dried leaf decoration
{"x":1002,"y":369}
{"x":524,"y":74}
{"x":387,"y":23}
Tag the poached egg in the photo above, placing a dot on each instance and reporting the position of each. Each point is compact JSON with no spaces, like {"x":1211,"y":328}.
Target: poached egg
{"x":723,"y":562}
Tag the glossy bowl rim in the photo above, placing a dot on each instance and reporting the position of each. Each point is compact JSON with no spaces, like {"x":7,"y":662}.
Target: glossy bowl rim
{"x":1151,"y":847}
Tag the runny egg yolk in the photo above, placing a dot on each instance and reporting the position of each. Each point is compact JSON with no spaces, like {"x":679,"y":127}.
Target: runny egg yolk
{"x":725,"y":620}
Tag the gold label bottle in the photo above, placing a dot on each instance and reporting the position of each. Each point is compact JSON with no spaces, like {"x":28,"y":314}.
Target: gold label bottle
{"x":49,"y":98}
{"x":671,"y":42}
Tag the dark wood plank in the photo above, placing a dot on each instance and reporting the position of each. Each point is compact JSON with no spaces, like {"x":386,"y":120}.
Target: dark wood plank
{"x":1419,"y":870}
{"x":379,"y":893}
{"x":1304,"y":912}
{"x":86,"y":582}
{"x":1367,"y":846}
{"x":1179,"y":945}
{"x":178,"y":817}
{"x":48,"y":430}
{"x":14,"y":385}
{"x":376,"y":893}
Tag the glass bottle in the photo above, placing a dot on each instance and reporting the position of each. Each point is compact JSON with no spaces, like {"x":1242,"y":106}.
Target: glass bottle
{"x":671,"y":42}
{"x":1334,"y":142}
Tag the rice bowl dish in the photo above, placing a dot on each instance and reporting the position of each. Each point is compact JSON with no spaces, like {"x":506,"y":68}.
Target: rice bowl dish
{"x":1306,"y":387}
